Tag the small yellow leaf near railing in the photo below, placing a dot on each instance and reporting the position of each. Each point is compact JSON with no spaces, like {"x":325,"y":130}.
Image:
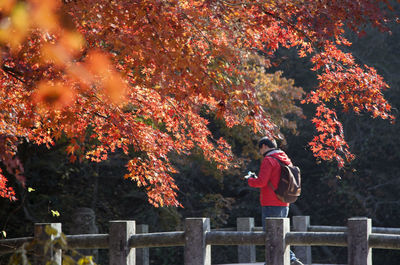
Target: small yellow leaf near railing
{"x":55,"y":213}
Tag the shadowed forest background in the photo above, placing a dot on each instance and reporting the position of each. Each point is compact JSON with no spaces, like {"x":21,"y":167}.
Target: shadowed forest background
{"x":368,"y":187}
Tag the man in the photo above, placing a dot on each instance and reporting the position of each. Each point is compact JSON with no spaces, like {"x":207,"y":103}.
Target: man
{"x":270,"y":171}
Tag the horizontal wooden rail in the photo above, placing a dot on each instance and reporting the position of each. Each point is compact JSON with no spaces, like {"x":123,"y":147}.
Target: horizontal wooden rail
{"x":292,"y":238}
{"x":11,"y":245}
{"x":225,"y":229}
{"x":384,"y":241}
{"x":257,"y":229}
{"x":198,"y":238}
{"x":215,"y":237}
{"x":88,"y":241}
{"x":235,"y":238}
{"x":164,"y":239}
{"x":338,"y":239}
{"x":385,"y":230}
{"x":325,"y":228}
{"x":379,"y":230}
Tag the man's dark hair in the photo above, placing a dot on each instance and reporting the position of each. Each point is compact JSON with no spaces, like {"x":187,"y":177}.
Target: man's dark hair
{"x":268,"y":142}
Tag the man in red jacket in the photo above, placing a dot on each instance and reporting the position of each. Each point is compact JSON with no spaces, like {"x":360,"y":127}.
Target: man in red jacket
{"x":270,"y":172}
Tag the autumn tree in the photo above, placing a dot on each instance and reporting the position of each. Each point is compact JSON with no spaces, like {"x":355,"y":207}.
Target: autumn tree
{"x":135,"y":75}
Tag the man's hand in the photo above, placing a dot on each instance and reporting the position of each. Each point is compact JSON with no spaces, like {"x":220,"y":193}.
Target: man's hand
{"x":250,"y":175}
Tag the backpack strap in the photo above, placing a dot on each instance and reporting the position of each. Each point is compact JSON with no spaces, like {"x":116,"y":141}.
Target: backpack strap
{"x":269,"y":182}
{"x":271,"y":186}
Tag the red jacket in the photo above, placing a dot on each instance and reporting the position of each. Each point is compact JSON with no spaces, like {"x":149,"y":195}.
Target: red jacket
{"x":270,"y":170}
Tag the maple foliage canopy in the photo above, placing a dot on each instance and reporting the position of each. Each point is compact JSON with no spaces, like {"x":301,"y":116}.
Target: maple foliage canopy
{"x":135,"y":75}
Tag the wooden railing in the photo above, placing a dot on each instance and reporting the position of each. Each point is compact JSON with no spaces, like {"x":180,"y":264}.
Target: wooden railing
{"x":128,"y":244}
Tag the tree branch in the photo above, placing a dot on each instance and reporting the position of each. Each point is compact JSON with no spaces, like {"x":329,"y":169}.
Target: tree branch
{"x":11,"y":71}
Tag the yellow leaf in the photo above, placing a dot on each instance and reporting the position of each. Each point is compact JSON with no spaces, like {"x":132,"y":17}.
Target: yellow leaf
{"x":4,"y":233}
{"x":86,"y":260}
{"x":55,"y":213}
{"x":50,"y":230}
{"x":31,"y":189}
{"x":67,"y":260}
{"x":20,"y":17}
{"x":73,"y":41}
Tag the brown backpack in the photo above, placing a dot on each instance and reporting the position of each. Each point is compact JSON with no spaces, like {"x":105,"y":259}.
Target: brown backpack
{"x":289,"y":186}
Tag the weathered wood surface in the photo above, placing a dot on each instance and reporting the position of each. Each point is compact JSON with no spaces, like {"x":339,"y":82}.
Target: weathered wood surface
{"x":235,"y":238}
{"x":262,"y":263}
{"x":12,"y":244}
{"x":88,"y":241}
{"x":378,"y":230}
{"x":277,"y":252}
{"x":196,"y":250}
{"x":45,"y":254}
{"x":359,"y":251}
{"x":338,"y":239}
{"x":301,"y":224}
{"x":246,"y":253}
{"x":384,"y":241}
{"x":360,"y":238}
{"x":120,"y":253}
{"x":142,"y":254}
{"x":254,"y":263}
{"x":163,"y":239}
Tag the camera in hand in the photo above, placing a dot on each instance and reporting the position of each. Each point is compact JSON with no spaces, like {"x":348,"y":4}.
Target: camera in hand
{"x":250,"y":175}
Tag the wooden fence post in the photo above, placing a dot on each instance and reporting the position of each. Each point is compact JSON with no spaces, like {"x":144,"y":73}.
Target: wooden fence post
{"x":197,"y":252}
{"x":43,"y":238}
{"x":301,"y":224}
{"x":246,"y":253}
{"x":276,"y":250}
{"x":119,"y":251}
{"x":358,"y":231}
{"x":142,"y":254}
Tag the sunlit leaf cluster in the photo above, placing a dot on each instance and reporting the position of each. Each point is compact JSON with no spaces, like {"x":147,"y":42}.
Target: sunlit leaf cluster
{"x":135,"y":76}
